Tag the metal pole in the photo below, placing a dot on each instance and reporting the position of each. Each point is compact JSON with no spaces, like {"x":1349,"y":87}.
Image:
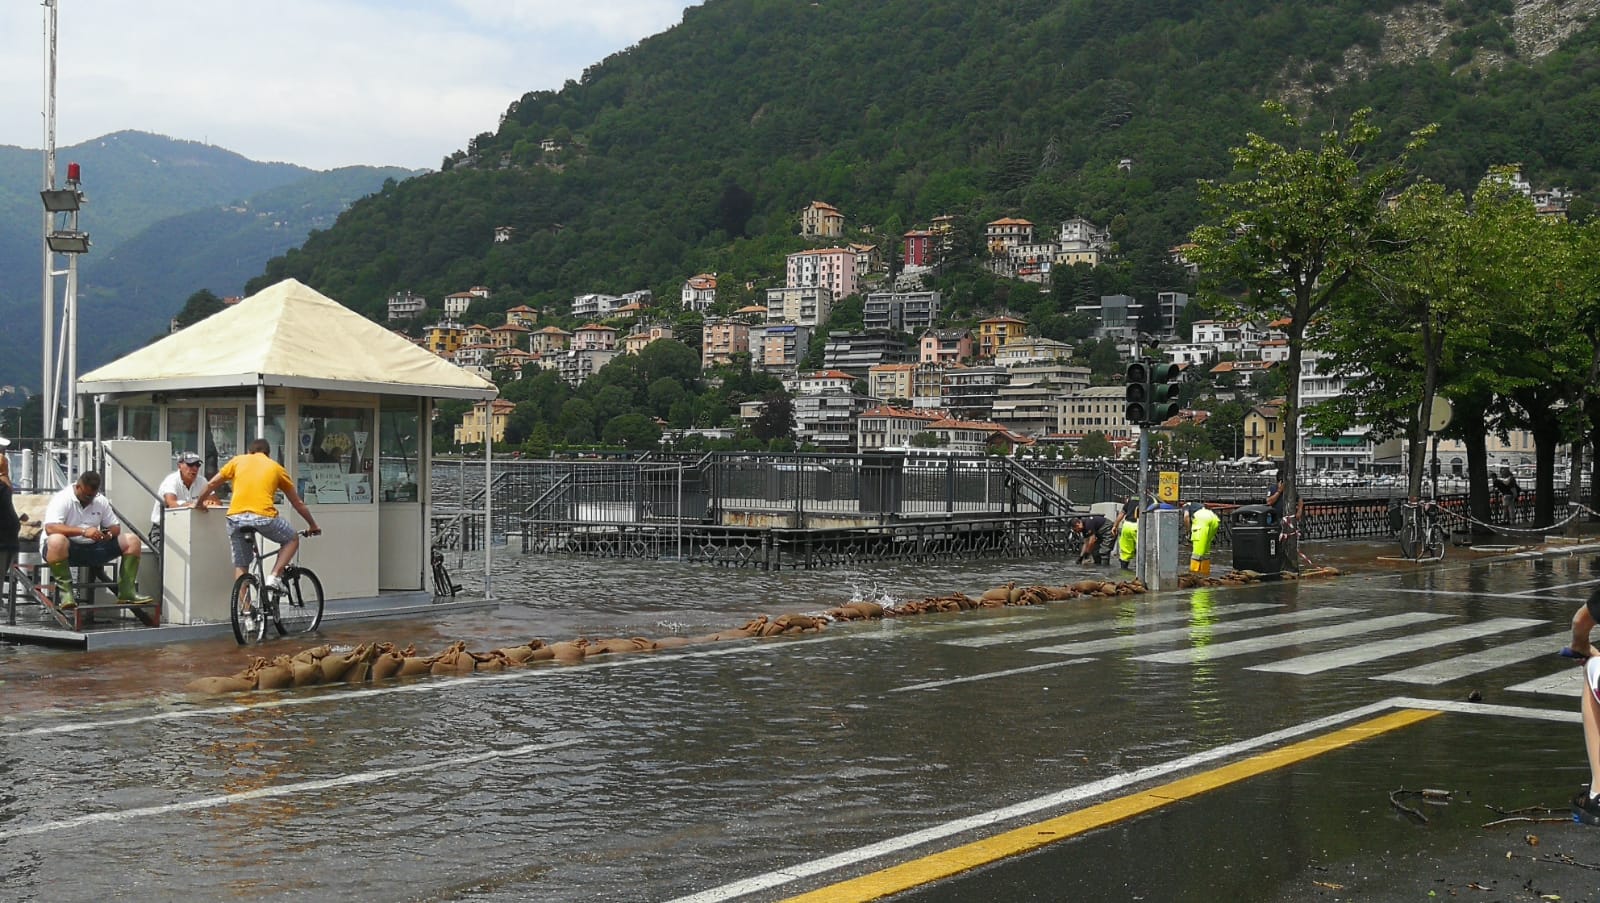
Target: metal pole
{"x":71,"y":386}
{"x":679,"y":511}
{"x":488,"y":498}
{"x":47,"y":322}
{"x":261,"y":410}
{"x":1144,"y":466}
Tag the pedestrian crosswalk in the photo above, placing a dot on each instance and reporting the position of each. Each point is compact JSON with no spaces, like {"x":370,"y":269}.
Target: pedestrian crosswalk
{"x":1304,"y":642}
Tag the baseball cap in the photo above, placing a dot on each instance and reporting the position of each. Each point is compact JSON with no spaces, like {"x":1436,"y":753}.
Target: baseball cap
{"x":4,"y":442}
{"x":188,"y":458}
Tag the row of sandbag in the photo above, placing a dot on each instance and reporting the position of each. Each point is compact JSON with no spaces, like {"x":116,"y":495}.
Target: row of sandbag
{"x":384,"y":661}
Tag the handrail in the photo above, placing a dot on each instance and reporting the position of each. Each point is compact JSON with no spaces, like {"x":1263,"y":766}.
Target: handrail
{"x":1047,"y":492}
{"x":558,"y":484}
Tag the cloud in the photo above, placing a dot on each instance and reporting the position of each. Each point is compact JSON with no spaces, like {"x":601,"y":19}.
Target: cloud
{"x":322,"y":84}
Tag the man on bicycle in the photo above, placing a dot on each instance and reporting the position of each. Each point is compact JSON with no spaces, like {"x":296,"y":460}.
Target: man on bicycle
{"x":256,"y":478}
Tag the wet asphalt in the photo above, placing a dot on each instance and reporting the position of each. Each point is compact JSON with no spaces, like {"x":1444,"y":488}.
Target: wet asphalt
{"x":757,"y":770}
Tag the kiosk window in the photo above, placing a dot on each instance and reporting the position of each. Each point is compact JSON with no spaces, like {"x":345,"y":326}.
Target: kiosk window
{"x":335,"y":455}
{"x":399,"y":429}
{"x":142,"y":422}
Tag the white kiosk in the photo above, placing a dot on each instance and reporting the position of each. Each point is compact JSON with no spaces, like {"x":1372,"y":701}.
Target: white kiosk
{"x":347,"y":407}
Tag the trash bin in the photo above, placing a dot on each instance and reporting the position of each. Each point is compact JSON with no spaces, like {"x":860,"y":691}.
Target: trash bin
{"x":1255,"y":539}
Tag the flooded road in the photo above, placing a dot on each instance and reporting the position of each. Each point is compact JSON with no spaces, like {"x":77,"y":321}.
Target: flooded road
{"x":688,"y":773}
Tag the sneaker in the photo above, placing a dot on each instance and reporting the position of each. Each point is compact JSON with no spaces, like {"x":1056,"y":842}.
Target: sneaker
{"x":275,"y":583}
{"x":1586,"y":809}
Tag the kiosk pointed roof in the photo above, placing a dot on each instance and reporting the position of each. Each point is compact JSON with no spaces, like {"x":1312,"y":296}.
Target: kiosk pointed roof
{"x":286,"y":335}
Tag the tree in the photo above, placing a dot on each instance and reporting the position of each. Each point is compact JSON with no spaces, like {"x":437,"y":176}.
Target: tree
{"x":632,"y":431}
{"x":1292,"y":232}
{"x":776,"y":420}
{"x":1096,"y":445}
{"x":200,"y":305}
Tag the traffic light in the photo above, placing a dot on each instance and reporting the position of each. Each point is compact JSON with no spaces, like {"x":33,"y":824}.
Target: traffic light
{"x":1136,"y":392}
{"x":1163,"y":392}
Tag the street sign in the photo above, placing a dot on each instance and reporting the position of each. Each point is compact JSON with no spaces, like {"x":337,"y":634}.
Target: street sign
{"x":1167,"y":486}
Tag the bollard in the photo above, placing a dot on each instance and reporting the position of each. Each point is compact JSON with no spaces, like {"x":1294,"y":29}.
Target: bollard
{"x":1156,"y":561}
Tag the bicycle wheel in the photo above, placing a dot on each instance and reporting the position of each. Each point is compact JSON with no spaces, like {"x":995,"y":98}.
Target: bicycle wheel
{"x":300,"y":606}
{"x":1410,"y":541}
{"x":1436,"y":542}
{"x":245,"y":610}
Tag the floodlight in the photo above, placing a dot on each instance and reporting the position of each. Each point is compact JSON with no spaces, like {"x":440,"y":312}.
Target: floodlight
{"x":62,"y":200}
{"x":64,"y":241}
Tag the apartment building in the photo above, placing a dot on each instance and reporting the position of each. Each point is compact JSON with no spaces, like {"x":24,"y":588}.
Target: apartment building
{"x":900,"y":311}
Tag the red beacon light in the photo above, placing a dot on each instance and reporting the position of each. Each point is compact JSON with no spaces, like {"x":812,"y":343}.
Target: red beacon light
{"x":73,"y":171}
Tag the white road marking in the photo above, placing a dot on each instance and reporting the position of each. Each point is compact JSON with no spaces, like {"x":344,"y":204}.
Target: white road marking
{"x":228,"y":799}
{"x":1435,"y":673}
{"x":1105,"y":786}
{"x":1483,"y":708}
{"x":1138,"y":620}
{"x":1318,"y":662}
{"x":933,"y":684}
{"x":1545,"y":589}
{"x":1452,"y":593}
{"x":1295,"y":637}
{"x":1181,"y":634}
{"x":1562,"y":683}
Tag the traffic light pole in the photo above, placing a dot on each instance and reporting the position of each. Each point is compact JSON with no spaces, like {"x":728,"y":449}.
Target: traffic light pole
{"x":1144,"y":487}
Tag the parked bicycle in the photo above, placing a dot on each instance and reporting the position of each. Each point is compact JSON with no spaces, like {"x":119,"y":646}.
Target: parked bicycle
{"x":294,"y":609}
{"x":442,"y":584}
{"x":1422,"y":533}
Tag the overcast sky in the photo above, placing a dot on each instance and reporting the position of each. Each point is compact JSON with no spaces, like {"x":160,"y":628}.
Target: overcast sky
{"x":321,"y":83}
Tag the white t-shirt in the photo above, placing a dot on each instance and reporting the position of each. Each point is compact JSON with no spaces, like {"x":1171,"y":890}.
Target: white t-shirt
{"x":65,"y":509}
{"x":173,"y":485}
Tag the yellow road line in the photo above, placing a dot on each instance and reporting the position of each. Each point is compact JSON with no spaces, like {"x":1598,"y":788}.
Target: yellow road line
{"x":938,"y":866}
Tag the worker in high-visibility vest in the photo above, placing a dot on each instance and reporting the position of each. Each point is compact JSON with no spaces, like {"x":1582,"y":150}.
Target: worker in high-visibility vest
{"x":1203,"y":527}
{"x":1128,"y":537}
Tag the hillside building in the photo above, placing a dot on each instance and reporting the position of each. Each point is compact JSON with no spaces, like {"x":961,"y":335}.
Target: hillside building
{"x":405,"y":305}
{"x":806,"y":305}
{"x":821,"y":220}
{"x":779,"y":347}
{"x":969,"y":393}
{"x":883,"y":426}
{"x":946,"y":346}
{"x":700,"y":292}
{"x":994,"y":332}
{"x":857,"y":352}
{"x":478,"y":418}
{"x":831,"y":268}
{"x":721,"y":338}
{"x":900,"y":311}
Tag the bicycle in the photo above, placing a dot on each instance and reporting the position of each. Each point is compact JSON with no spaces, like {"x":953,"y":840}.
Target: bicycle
{"x":442,"y":584}
{"x":299,"y":610}
{"x":1422,"y":536}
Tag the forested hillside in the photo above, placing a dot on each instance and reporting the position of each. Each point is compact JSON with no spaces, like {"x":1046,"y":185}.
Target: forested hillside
{"x":695,"y":150}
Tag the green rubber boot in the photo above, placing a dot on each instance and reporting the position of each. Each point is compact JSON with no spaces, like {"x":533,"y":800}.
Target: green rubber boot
{"x":128,"y":581}
{"x":63,"y":578}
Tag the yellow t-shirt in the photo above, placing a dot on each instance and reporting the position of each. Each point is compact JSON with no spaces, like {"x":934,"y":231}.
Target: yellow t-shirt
{"x":255,"y":478}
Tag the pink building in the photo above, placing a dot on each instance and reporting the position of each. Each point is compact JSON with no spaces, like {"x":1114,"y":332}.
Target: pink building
{"x":831,"y":268}
{"x":594,"y":337}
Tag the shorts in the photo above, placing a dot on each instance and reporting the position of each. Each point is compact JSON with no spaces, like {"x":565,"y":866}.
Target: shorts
{"x":93,"y":554}
{"x":244,"y":551}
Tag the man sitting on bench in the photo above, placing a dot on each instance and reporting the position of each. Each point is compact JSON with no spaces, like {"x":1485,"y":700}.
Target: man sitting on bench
{"x":81,"y":530}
